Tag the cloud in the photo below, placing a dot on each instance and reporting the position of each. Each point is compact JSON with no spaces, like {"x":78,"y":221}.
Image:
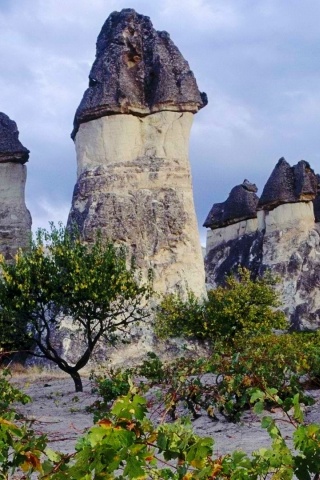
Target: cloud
{"x":201,"y":14}
{"x":45,"y":212}
{"x":257,"y":61}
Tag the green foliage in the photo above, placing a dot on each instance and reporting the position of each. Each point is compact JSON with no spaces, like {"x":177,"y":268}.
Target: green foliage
{"x":268,"y":361}
{"x":152,"y":368}
{"x":62,"y":276}
{"x":242,"y":308}
{"x":178,"y":383}
{"x":20,"y":449}
{"x":177,"y":317}
{"x":283,"y":362}
{"x":310,"y":345}
{"x":9,"y":395}
{"x":110,"y":385}
{"x":125,"y":444}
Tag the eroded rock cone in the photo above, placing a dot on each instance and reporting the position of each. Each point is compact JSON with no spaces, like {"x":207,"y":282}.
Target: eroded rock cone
{"x":131,"y":134}
{"x":240,"y":205}
{"x":11,"y":149}
{"x":288,"y":184}
{"x":15,"y":218}
{"x":137,"y":70}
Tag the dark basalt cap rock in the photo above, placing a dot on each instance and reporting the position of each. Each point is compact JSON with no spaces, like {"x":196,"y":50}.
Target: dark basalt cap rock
{"x":11,"y":149}
{"x":289,"y":185}
{"x":137,"y":70}
{"x":240,"y":205}
{"x":316,"y":202}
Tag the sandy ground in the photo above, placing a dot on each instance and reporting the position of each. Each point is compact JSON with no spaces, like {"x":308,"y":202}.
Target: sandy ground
{"x":61,"y":414}
{"x":56,"y":409}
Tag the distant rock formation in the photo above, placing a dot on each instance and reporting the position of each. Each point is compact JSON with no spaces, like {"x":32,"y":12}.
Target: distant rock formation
{"x":289,"y":185}
{"x":131,"y":132}
{"x":282,"y":235}
{"x":240,"y":205}
{"x":15,"y":218}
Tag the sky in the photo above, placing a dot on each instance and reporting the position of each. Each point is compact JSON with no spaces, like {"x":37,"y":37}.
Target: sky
{"x":257,"y":60}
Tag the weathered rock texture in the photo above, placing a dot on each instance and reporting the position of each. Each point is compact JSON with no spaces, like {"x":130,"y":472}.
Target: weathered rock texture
{"x":289,"y":185}
{"x":137,"y":70}
{"x":15,"y":219}
{"x":131,"y":133}
{"x":240,"y":205}
{"x":284,"y":238}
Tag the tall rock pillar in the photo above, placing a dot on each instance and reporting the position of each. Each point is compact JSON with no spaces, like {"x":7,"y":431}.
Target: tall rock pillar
{"x":15,"y":218}
{"x":131,"y":133}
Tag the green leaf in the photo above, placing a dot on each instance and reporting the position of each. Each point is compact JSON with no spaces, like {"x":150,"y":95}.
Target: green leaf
{"x":258,"y":407}
{"x":257,"y":394}
{"x":52,"y":455}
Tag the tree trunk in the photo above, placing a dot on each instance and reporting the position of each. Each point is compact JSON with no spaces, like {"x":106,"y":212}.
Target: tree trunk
{"x":77,"y":381}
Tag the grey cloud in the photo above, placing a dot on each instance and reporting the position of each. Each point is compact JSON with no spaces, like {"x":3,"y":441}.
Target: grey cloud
{"x":257,"y":61}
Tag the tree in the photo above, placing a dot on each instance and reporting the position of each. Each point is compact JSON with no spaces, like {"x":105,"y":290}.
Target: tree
{"x":59,"y":277}
{"x":243,"y":307}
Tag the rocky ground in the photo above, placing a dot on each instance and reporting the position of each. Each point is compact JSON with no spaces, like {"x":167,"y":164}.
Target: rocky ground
{"x":61,"y":413}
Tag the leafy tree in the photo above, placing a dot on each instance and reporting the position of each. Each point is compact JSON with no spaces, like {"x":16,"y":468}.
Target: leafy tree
{"x":243,"y":307}
{"x":59,"y":277}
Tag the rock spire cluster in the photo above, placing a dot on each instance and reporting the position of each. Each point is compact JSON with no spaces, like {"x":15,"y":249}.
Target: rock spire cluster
{"x":15,"y":218}
{"x":131,"y":133}
{"x":278,"y":232}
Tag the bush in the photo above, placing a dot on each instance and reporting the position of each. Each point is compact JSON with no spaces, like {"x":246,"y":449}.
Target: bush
{"x":282,"y":362}
{"x":109,"y":386}
{"x":242,"y":308}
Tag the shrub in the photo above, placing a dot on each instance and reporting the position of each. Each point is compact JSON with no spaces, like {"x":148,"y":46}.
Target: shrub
{"x":114,"y":383}
{"x":243,"y":307}
{"x":267,"y":361}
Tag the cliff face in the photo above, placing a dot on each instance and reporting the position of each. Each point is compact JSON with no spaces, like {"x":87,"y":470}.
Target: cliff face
{"x":15,"y":218}
{"x":131,"y":133}
{"x":282,"y":237}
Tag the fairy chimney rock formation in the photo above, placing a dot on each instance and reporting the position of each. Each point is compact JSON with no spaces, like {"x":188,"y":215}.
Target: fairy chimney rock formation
{"x":131,"y":132}
{"x":289,"y":185}
{"x":240,"y":205}
{"x":283,"y":237}
{"x":15,"y":219}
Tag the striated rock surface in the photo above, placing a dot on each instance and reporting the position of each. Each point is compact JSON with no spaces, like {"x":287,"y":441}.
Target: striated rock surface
{"x":137,"y":70}
{"x":291,"y":249}
{"x":284,"y":238}
{"x":131,"y":136}
{"x":15,"y":219}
